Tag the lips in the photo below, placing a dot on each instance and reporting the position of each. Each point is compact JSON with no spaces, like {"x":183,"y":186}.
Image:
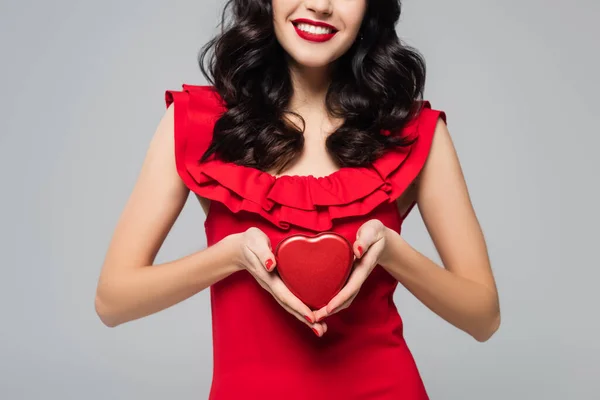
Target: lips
{"x":318,"y":35}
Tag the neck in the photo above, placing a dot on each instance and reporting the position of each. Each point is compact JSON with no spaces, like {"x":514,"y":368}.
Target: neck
{"x":310,"y":87}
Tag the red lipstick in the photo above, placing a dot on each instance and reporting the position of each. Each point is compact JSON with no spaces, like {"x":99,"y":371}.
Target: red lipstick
{"x":314,"y":37}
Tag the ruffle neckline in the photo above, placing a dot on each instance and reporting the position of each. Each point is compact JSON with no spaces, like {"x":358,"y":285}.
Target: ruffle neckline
{"x":305,"y":201}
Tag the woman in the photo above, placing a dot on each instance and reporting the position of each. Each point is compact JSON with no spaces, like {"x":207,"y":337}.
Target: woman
{"x":312,"y":123}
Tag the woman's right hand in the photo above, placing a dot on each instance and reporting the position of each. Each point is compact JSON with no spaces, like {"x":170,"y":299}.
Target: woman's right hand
{"x":255,"y":255}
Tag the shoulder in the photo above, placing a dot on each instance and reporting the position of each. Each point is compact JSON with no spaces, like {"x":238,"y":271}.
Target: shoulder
{"x":195,"y":110}
{"x":427,"y":126}
{"x":442,"y":162}
{"x":191,"y":115}
{"x":425,"y":120}
{"x":194,"y":96}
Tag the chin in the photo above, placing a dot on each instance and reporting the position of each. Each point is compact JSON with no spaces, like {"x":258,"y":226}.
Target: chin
{"x":312,"y":63}
{"x":311,"y":60}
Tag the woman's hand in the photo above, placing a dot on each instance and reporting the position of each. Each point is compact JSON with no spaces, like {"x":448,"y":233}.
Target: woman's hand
{"x":255,"y":255}
{"x":369,"y":250}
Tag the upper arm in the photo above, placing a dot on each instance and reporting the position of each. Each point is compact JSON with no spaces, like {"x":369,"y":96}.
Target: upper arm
{"x":448,"y":214}
{"x":153,"y":206}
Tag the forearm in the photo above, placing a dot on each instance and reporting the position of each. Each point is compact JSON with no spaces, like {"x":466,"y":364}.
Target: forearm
{"x":146,"y":290}
{"x":469,"y":306}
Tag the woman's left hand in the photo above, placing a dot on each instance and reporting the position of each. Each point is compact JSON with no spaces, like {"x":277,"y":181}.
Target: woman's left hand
{"x":369,"y":249}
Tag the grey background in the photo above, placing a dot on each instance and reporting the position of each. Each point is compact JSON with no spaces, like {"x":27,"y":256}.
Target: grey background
{"x":82,"y":92}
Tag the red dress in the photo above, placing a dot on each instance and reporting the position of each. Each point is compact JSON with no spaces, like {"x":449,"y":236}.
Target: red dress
{"x":259,"y":350}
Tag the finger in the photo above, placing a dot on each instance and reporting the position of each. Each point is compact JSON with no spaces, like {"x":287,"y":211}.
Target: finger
{"x":287,"y":297}
{"x":344,"y":305}
{"x":358,"y":250}
{"x":268,"y":282}
{"x":353,"y":285}
{"x":274,"y":285}
{"x":369,"y":259}
{"x":318,"y":328}
{"x":260,"y":245}
{"x":367,"y":234}
{"x":284,"y":293}
{"x":258,"y":271}
{"x":323,"y":312}
{"x":357,"y":277}
{"x":363,"y":240}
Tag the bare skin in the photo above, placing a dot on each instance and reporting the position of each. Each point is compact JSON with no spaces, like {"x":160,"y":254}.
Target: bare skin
{"x":462,"y":290}
{"x":463,"y":293}
{"x":129,"y":289}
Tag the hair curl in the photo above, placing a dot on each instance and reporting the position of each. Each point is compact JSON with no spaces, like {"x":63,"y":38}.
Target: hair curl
{"x":376,"y":86}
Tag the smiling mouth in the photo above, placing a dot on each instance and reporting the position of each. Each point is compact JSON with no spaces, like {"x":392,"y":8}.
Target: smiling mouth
{"x":314,"y":30}
{"x":313,"y":33}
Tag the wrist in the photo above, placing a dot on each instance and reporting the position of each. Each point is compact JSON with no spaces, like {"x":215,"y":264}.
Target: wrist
{"x":232,"y":248}
{"x":391,"y":238}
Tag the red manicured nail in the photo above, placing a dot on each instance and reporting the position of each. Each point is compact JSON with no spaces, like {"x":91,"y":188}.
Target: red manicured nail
{"x":360,"y":250}
{"x":308,"y":319}
{"x":268,"y":264}
{"x":316,"y":332}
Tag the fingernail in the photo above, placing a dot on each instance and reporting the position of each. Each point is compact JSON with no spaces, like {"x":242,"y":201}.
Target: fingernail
{"x":308,"y":319}
{"x":320,"y":318}
{"x":360,"y":250}
{"x":268,"y":264}
{"x":316,"y":332}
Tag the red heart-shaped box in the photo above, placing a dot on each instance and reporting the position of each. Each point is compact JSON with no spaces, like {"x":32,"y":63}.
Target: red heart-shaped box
{"x":314,"y":268}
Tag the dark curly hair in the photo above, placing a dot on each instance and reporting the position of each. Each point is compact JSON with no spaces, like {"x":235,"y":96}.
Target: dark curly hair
{"x":376,"y":87}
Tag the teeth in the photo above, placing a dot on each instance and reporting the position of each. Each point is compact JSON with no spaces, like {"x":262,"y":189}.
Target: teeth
{"x":315,"y":30}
